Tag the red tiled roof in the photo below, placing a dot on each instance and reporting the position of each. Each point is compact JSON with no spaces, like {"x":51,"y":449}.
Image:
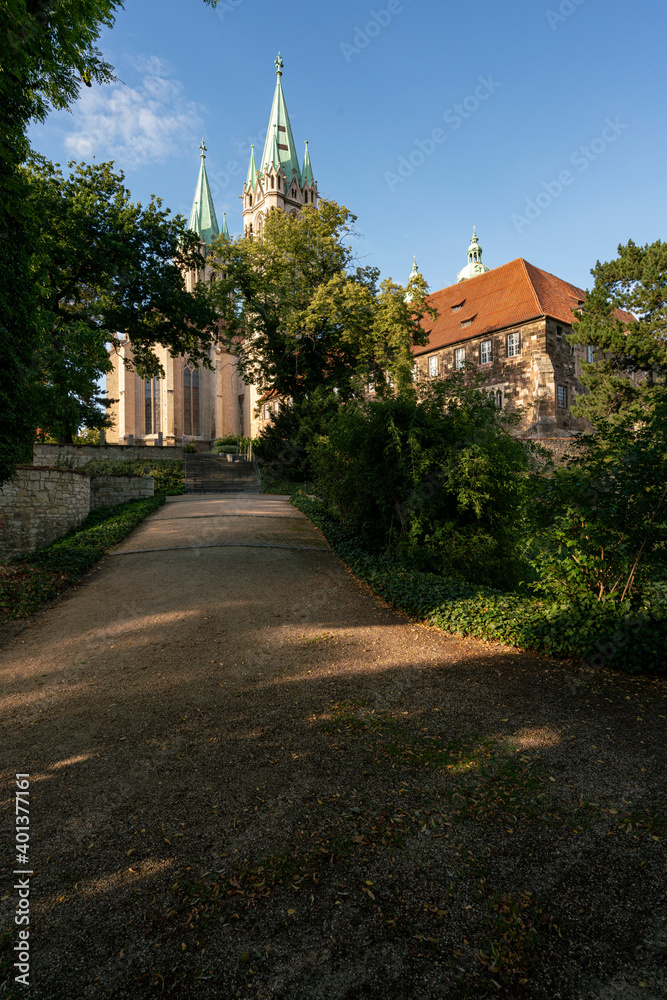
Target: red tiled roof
{"x":505,"y":296}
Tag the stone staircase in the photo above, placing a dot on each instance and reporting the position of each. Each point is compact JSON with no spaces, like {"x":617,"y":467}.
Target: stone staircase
{"x":214,"y":474}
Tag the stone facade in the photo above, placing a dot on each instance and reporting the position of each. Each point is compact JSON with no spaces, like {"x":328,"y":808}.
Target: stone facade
{"x":40,"y":505}
{"x":107,"y":491}
{"x":74,"y":456}
{"x":528,"y":381}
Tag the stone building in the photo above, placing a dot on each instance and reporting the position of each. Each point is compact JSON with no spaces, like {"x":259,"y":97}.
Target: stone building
{"x":192,"y":401}
{"x":512,"y":322}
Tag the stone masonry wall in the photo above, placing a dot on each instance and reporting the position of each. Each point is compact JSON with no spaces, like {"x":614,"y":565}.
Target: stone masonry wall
{"x":76,"y":455}
{"x":40,"y":505}
{"x":107,"y":491}
{"x":529,"y":380}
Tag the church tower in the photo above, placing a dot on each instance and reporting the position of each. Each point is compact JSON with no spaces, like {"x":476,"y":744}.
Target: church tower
{"x":278,"y":181}
{"x":203,"y":220}
{"x":474,"y":265}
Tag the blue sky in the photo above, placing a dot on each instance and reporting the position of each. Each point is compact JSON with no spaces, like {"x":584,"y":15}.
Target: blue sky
{"x":556,"y":151}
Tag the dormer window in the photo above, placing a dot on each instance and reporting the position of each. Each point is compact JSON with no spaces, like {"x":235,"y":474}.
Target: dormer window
{"x":459,"y":305}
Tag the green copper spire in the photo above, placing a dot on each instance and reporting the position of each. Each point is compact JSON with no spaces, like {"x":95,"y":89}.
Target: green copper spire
{"x":274,"y":158}
{"x":279,"y":124}
{"x":224,"y":232}
{"x":202,"y":216}
{"x":307,"y":176}
{"x":252,"y":169}
{"x":474,"y":265}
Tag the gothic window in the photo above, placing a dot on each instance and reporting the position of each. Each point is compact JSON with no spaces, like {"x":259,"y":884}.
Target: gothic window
{"x":153,"y":423}
{"x":459,"y":357}
{"x":191,"y":400}
{"x":485,"y":352}
{"x":513,"y":344}
{"x":433,"y":365}
{"x":250,"y":200}
{"x":272,"y":182}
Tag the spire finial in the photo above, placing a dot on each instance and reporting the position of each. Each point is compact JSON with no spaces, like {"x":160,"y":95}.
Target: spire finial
{"x":202,"y":146}
{"x":279,"y":65}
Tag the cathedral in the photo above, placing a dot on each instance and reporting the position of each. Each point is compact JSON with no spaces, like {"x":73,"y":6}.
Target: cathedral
{"x":511,"y":322}
{"x":193,"y":402}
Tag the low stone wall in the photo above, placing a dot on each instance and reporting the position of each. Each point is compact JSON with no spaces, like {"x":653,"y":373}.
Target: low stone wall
{"x":107,"y":491}
{"x":40,"y":505}
{"x":74,"y":456}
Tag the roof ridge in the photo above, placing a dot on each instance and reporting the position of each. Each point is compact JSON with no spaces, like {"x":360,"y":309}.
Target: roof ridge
{"x":538,"y":304}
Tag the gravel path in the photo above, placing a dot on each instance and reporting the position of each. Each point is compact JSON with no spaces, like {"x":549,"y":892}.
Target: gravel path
{"x":250,"y":778}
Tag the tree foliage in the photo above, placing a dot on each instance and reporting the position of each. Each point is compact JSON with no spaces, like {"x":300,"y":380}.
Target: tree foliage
{"x":47,"y":50}
{"x":433,"y":476}
{"x":301,"y":316}
{"x":103,"y":268}
{"x":601,"y":520}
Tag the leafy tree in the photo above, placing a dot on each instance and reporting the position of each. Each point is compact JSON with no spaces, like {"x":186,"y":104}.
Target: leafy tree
{"x":601,"y":524}
{"x":301,"y":316}
{"x":625,"y":320}
{"x":102,"y":267}
{"x":46,"y":51}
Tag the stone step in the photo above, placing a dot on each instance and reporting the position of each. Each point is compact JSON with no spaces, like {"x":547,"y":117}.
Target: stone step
{"x":214,"y":474}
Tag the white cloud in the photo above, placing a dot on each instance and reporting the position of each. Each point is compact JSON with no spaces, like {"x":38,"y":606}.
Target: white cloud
{"x":135,"y":125}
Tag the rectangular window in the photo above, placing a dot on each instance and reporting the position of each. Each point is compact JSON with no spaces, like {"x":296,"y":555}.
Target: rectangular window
{"x":267,"y":411}
{"x":459,"y":357}
{"x":371,"y":386}
{"x":433,"y":366}
{"x":513,"y":344}
{"x":485,"y":352}
{"x":590,"y":355}
{"x":499,"y":398}
{"x":415,"y":372}
{"x":276,"y":407}
{"x":562,"y":397}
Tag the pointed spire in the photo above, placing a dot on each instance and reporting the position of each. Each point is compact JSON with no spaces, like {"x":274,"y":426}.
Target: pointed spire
{"x":224,"y":231}
{"x":252,"y":169}
{"x":307,"y":176}
{"x":202,"y":217}
{"x":279,"y":125}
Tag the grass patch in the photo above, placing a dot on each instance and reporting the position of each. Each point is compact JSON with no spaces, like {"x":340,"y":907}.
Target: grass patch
{"x":29,"y":581}
{"x":624,"y":638}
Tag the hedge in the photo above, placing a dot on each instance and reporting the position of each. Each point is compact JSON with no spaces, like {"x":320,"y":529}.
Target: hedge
{"x":633,"y":640}
{"x":30,"y":580}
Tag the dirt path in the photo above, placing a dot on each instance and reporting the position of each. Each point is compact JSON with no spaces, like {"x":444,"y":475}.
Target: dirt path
{"x":251,"y":779}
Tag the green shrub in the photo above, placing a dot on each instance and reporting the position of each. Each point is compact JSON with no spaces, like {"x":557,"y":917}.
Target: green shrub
{"x":601,"y":635}
{"x":28,"y":581}
{"x":284,"y":445}
{"x":439,"y":482}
